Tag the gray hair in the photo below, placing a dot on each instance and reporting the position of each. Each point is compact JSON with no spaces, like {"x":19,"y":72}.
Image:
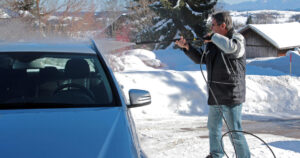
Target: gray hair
{"x":223,"y":17}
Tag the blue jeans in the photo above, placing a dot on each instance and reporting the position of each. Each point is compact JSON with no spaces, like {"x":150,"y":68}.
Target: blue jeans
{"x":232,"y":115}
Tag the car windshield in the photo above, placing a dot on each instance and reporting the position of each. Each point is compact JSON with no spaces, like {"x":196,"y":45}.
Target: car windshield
{"x":52,"y":80}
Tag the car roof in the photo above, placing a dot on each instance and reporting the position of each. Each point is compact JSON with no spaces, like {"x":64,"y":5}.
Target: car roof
{"x":57,"y":47}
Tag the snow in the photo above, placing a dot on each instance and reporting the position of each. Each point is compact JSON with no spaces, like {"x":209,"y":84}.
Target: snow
{"x":7,"y":14}
{"x":25,"y":14}
{"x":53,"y":18}
{"x":137,"y":59}
{"x":281,"y":63}
{"x":162,"y":24}
{"x":174,"y":125}
{"x":280,"y":16}
{"x":190,"y":29}
{"x":193,"y":12}
{"x":3,"y":15}
{"x":177,"y":4}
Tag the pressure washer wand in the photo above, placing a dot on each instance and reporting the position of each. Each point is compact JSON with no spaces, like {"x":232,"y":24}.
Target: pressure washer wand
{"x":170,"y":40}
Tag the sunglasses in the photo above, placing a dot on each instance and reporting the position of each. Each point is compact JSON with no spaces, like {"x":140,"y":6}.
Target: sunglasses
{"x":213,"y":25}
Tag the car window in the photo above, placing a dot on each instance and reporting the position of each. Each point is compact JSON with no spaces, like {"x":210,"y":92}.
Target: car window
{"x":53,"y":80}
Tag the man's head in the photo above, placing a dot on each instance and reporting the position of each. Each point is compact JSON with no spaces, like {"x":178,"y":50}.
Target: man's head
{"x":221,"y":23}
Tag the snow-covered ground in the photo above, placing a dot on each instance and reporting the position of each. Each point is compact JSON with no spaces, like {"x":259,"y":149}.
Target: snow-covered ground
{"x":277,"y":16}
{"x":174,"y":125}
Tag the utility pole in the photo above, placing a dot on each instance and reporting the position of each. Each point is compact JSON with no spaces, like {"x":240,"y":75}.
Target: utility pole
{"x":37,"y":3}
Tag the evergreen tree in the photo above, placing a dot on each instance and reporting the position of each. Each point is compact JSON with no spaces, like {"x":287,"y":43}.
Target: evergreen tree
{"x":178,"y":17}
{"x":24,"y":5}
{"x":249,"y":20}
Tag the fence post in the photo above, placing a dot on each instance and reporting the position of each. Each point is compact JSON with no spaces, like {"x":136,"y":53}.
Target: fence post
{"x":290,"y":64}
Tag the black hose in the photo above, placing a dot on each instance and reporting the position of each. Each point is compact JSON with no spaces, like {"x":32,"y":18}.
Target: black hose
{"x":235,"y":131}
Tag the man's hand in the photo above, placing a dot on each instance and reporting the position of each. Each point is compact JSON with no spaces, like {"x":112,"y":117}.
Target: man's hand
{"x":182,"y":43}
{"x":207,"y":37}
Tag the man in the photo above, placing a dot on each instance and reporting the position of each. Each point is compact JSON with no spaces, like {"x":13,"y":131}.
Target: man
{"x":225,"y":61}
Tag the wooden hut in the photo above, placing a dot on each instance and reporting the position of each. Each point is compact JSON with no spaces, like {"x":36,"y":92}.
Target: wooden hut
{"x":270,"y":40}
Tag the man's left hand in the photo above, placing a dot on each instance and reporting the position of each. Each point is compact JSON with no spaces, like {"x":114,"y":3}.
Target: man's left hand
{"x":207,"y":37}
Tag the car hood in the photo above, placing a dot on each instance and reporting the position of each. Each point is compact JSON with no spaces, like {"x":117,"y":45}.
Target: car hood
{"x":78,"y":132}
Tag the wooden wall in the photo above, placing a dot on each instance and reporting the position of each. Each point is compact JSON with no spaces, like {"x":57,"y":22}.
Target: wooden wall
{"x":284,"y":51}
{"x":256,"y":46}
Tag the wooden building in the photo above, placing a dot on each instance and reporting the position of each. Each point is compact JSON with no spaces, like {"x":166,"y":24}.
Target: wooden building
{"x":270,"y":40}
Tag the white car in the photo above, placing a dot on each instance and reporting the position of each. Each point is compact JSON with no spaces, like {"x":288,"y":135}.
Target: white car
{"x":62,"y":100}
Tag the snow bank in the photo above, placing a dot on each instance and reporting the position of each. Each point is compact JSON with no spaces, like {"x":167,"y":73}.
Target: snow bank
{"x":280,"y":63}
{"x":270,"y":90}
{"x":171,"y":92}
{"x":185,"y":93}
{"x":136,"y":59}
{"x":276,"y":95}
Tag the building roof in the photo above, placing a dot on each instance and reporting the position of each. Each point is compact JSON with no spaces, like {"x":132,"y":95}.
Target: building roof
{"x":281,"y":36}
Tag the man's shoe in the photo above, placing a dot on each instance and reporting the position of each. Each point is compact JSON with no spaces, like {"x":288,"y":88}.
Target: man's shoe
{"x":209,"y":156}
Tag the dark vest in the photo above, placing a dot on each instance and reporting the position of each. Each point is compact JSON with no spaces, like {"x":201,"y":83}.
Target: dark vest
{"x":225,"y":74}
{"x":226,"y":77}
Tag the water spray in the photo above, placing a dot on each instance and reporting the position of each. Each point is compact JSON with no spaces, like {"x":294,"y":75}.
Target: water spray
{"x":169,"y":40}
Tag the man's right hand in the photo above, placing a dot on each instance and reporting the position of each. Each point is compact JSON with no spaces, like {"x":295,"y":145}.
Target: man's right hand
{"x":182,"y":43}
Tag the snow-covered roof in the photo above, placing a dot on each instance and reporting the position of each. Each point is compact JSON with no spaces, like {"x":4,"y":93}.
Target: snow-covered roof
{"x":282,"y":36}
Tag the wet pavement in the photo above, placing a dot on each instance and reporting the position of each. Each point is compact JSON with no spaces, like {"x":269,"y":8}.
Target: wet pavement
{"x":283,"y":127}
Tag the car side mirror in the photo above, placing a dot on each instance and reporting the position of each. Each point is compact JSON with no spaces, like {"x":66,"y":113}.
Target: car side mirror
{"x":139,"y":98}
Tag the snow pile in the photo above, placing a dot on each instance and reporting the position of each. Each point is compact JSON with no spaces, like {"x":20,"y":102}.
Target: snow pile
{"x":276,"y":95}
{"x":3,"y":15}
{"x":185,"y":93}
{"x":147,"y":57}
{"x":25,"y":13}
{"x":6,"y":13}
{"x":137,"y":59}
{"x":270,"y":90}
{"x":172,"y":92}
{"x":280,"y":63}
